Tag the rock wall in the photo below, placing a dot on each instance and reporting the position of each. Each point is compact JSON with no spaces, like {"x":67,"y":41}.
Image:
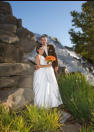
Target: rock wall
{"x":16,"y":74}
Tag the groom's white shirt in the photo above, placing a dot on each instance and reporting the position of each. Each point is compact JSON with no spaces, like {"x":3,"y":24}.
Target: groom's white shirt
{"x":45,"y":48}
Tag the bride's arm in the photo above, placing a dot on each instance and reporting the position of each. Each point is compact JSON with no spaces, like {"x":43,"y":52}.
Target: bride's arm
{"x":38,"y":62}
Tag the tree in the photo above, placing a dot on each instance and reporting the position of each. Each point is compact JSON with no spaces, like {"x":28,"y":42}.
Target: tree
{"x":83,"y":39}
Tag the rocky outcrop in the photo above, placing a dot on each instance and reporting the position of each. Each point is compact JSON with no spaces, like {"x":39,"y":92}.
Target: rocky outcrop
{"x":8,"y":37}
{"x":5,"y":9}
{"x":16,"y":74}
{"x":27,"y":39}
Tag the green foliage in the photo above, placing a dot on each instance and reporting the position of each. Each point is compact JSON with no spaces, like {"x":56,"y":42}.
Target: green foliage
{"x":10,"y":122}
{"x":41,"y":119}
{"x":77,"y":95}
{"x":87,"y":129}
{"x":31,"y":119}
{"x":84,"y":37}
{"x":92,"y":120}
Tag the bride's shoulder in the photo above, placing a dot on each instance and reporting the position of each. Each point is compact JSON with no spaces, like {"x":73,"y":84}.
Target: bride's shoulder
{"x":37,"y":56}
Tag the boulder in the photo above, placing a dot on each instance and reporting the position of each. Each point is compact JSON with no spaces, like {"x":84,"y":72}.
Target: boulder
{"x":16,"y":81}
{"x":8,"y":37}
{"x":16,"y":89}
{"x":10,"y":20}
{"x":25,"y":81}
{"x":5,"y":92}
{"x":8,"y":27}
{"x":23,"y":32}
{"x":11,"y":69}
{"x":19,"y":99}
{"x":71,"y":127}
{"x":16,"y":74}
{"x":11,"y":53}
{"x":5,"y":8}
{"x":7,"y":82}
{"x":28,"y":45}
{"x":26,"y":39}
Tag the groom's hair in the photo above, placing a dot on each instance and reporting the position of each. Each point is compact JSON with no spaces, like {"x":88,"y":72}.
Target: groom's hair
{"x":43,"y":36}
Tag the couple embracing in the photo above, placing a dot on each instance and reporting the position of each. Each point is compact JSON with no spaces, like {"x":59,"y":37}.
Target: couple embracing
{"x":45,"y":86}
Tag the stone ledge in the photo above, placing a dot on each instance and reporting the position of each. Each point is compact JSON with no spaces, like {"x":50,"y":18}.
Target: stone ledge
{"x":9,"y":27}
{"x":12,"y":69}
{"x":8,"y":37}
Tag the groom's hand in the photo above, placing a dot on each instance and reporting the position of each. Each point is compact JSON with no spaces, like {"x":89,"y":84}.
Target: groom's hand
{"x":56,"y":68}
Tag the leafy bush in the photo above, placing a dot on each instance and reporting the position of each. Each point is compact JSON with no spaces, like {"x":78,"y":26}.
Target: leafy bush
{"x":31,"y":119}
{"x":10,"y":121}
{"x":77,"y":95}
{"x":41,"y":119}
{"x":87,"y":129}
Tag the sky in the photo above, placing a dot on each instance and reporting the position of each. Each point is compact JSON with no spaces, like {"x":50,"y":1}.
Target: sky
{"x":47,"y":17}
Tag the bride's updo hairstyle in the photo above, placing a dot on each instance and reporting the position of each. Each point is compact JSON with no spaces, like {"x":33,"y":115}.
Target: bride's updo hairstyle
{"x":38,"y":47}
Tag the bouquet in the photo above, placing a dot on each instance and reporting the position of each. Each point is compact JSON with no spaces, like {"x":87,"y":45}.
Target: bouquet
{"x":50,"y":59}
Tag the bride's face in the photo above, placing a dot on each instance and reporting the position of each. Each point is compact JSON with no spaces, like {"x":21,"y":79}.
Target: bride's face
{"x":41,"y":50}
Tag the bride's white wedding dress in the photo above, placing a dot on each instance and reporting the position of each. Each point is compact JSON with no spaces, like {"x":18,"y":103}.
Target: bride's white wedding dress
{"x":45,"y":86}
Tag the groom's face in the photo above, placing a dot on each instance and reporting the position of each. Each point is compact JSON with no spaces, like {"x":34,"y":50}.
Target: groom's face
{"x":43,"y":40}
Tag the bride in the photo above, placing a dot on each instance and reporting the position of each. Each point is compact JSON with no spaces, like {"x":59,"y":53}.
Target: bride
{"x":45,"y":86}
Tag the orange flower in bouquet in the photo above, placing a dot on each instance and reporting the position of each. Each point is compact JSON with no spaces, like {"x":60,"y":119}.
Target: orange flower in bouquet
{"x":50,"y":59}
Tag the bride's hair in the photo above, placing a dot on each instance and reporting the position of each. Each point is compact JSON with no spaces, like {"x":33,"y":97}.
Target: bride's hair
{"x":38,"y":47}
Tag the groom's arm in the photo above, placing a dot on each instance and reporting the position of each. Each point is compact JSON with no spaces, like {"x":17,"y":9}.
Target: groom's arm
{"x":55,"y":63}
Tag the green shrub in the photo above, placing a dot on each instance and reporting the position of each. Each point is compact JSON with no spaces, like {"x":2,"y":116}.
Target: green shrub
{"x":87,"y":129}
{"x":42,"y":119}
{"x":77,"y":95}
{"x":10,"y":122}
{"x":32,"y":119}
{"x":92,"y":120}
{"x":5,"y":119}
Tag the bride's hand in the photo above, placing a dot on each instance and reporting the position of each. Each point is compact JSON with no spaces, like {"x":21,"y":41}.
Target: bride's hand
{"x":49,"y":65}
{"x":37,"y":67}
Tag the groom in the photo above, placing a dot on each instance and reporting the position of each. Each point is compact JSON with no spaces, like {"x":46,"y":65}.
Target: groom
{"x":49,"y":50}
